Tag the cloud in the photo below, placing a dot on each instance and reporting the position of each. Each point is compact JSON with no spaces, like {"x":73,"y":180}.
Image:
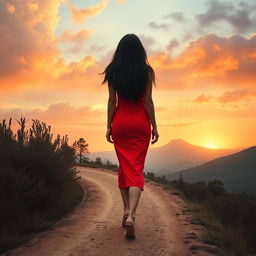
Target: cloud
{"x":147,"y":42}
{"x":75,"y":37}
{"x":58,"y":113}
{"x":96,"y":48}
{"x":239,"y":17}
{"x":160,"y":108}
{"x":156,"y":26}
{"x":34,"y":29}
{"x":80,"y":74}
{"x":34,"y":60}
{"x":10,"y":8}
{"x":177,"y":16}
{"x":188,"y":35}
{"x":172,"y":44}
{"x":121,"y":2}
{"x":185,"y":124}
{"x":237,"y":95}
{"x":202,"y":98}
{"x":79,"y":15}
{"x":209,"y":61}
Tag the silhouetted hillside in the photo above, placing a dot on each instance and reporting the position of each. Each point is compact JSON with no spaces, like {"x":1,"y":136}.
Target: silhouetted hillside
{"x":237,"y":171}
{"x":176,"y":155}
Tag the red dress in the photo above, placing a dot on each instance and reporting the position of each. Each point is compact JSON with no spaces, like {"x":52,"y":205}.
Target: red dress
{"x":131,"y":133}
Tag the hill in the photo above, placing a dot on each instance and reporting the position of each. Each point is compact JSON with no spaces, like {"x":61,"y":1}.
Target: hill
{"x":175,"y":155}
{"x":237,"y":171}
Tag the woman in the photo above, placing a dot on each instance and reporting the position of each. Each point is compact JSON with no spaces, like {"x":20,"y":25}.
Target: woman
{"x":129,"y":123}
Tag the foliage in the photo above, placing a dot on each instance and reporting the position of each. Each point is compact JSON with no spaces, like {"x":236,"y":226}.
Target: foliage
{"x":99,"y":163}
{"x":231,"y":216}
{"x":35,"y":171}
{"x":153,"y":177}
{"x":81,"y":147}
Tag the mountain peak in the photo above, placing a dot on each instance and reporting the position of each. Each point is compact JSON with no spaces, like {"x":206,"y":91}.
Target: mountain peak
{"x":178,"y":141}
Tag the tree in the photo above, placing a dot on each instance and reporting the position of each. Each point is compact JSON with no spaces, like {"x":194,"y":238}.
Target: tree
{"x":108,"y":164}
{"x":81,"y":147}
{"x":216,"y":187}
{"x":181,"y":182}
{"x":98,"y":161}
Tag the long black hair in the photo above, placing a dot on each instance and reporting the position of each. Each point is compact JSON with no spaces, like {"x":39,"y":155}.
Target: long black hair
{"x":129,"y":71}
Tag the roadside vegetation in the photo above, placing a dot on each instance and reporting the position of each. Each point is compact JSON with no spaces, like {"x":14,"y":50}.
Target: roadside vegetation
{"x":230,"y":218}
{"x":38,"y":181}
{"x":97,"y":163}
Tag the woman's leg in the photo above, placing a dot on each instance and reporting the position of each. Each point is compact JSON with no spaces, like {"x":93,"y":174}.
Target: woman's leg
{"x":134,"y":197}
{"x":125,"y":197}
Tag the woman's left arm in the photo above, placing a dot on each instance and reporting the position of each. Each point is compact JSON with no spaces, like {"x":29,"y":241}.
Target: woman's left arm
{"x":111,"y":111}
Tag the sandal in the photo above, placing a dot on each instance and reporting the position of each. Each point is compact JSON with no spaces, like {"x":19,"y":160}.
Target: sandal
{"x":130,"y":230}
{"x":124,"y":219}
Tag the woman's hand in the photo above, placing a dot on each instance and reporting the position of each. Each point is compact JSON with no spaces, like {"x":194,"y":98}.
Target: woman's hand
{"x":109,"y":135}
{"x":155,"y":136}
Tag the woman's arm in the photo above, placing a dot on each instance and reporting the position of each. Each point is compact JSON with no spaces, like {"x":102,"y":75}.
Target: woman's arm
{"x":111,"y":105}
{"x":149,"y":105}
{"x":111,"y":111}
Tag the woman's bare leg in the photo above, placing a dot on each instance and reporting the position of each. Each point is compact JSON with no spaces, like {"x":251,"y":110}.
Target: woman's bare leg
{"x":125,"y":197}
{"x":134,"y":197}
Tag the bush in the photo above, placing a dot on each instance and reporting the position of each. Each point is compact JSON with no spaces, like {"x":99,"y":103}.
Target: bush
{"x":235,"y":212}
{"x":34,"y":174}
{"x":230,"y":217}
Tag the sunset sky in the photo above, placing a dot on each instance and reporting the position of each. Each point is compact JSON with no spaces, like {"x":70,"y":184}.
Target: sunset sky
{"x":203,"y":54}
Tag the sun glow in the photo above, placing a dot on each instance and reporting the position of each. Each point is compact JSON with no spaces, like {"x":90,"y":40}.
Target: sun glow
{"x":210,"y":145}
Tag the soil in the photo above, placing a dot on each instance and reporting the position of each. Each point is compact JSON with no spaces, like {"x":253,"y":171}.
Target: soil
{"x":163,"y":225}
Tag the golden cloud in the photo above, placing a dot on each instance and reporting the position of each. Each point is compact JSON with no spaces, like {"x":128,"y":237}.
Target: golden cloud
{"x":59,"y":113}
{"x":34,"y":59}
{"x":121,"y":2}
{"x":76,"y":37}
{"x":209,"y":60}
{"x":79,"y":15}
{"x":202,"y":98}
{"x":237,"y":95}
{"x":10,"y":8}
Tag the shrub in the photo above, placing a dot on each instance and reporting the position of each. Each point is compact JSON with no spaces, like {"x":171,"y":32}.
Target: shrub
{"x":37,"y":179}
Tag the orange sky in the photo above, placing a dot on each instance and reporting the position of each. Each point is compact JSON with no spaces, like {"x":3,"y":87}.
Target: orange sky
{"x":205,"y":93}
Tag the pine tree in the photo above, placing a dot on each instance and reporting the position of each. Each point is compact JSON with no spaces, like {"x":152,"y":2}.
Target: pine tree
{"x":81,"y":147}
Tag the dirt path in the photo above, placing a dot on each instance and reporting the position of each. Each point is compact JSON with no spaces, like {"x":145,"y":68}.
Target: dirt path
{"x":94,"y":227}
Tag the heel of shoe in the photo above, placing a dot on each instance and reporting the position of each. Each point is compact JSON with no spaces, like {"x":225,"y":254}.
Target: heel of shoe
{"x":130,"y":231}
{"x":124,"y":220}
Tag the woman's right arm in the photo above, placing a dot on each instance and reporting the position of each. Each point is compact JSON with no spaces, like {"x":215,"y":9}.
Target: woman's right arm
{"x":149,"y":105}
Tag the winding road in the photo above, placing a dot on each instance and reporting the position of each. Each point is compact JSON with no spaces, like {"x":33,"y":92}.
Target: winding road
{"x":163,"y":224}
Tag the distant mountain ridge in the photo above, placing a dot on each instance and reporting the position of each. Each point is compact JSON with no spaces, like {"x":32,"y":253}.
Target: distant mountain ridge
{"x":175,"y":155}
{"x":237,"y":171}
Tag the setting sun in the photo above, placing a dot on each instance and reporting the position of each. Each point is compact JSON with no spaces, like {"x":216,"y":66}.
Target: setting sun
{"x":210,"y":145}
